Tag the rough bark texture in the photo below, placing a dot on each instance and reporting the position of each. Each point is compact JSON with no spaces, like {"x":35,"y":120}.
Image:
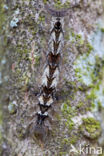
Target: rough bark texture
{"x":77,"y":116}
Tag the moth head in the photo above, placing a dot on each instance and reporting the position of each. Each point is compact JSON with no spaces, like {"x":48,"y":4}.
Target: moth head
{"x":57,"y":25}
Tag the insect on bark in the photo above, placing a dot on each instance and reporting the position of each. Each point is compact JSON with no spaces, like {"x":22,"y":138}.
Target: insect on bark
{"x":51,"y":71}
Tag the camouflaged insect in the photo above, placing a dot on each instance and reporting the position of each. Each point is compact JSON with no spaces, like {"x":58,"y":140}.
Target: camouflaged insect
{"x":50,"y":77}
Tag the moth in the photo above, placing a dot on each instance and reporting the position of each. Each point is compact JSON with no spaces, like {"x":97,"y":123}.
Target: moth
{"x":51,"y":71}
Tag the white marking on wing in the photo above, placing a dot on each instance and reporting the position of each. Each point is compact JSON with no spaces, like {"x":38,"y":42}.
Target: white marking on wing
{"x":56,"y":73}
{"x":44,"y":81}
{"x":41,"y":100}
{"x":59,"y":50}
{"x":60,"y":37}
{"x":50,"y":101}
{"x":53,"y":37}
{"x":46,"y":113}
{"x":39,"y":112}
{"x":44,"y":77}
{"x":56,"y":78}
{"x":51,"y":46}
{"x":54,"y":82}
{"x":46,"y":71}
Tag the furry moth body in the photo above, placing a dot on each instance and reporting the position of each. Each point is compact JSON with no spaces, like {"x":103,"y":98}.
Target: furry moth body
{"x":51,"y":72}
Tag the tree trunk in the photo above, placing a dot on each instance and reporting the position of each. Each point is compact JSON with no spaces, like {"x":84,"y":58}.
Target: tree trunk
{"x":76,"y":124}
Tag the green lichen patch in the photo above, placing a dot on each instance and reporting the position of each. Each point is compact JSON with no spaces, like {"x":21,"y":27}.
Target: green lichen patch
{"x":37,"y":60}
{"x":96,"y":94}
{"x":45,"y":1}
{"x":90,"y":128}
{"x":90,"y":47}
{"x":62,"y":153}
{"x":59,"y":5}
{"x":102,"y":29}
{"x":41,"y":18}
{"x":20,"y":131}
{"x":69,"y":91}
{"x":80,"y":104}
{"x":22,"y":78}
{"x":68,"y":113}
{"x":100,"y":106}
{"x":2,"y":16}
{"x":84,"y":72}
{"x":84,"y":63}
{"x":82,"y":87}
{"x":74,"y":139}
{"x":79,"y":42}
{"x":89,"y":70}
{"x":65,"y":141}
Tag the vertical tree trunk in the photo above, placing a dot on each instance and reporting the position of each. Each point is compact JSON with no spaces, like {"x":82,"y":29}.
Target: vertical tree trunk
{"x":76,"y":126}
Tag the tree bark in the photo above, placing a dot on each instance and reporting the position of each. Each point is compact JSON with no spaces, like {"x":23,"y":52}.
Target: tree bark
{"x":76,"y":126}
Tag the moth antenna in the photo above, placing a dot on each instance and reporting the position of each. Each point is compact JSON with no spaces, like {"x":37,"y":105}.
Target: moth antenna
{"x":56,"y":13}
